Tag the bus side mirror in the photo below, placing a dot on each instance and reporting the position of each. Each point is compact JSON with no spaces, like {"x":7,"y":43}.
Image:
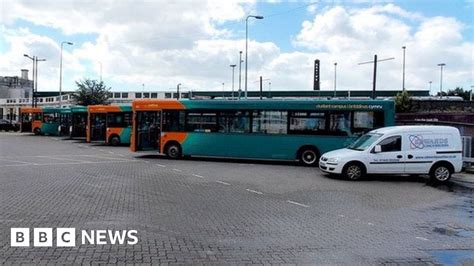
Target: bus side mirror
{"x":377,"y":149}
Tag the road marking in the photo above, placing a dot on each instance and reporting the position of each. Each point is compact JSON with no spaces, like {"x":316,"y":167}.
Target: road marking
{"x":64,"y":159}
{"x":111,"y":152}
{"x":66,"y":163}
{"x":421,"y":238}
{"x":200,"y":176}
{"x":297,"y":203}
{"x":254,"y":191}
{"x":15,"y":161}
{"x":222,"y":182}
{"x":177,"y":170}
{"x":340,"y":215}
{"x":146,"y":161}
{"x":160,"y":165}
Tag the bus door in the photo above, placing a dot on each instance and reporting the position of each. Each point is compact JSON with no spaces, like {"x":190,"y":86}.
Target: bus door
{"x":25,"y":122}
{"x":98,"y":126}
{"x":148,"y":130}
{"x":64,"y":123}
{"x":78,"y":127}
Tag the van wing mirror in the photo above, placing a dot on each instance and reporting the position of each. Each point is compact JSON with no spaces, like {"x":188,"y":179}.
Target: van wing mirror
{"x":377,"y":149}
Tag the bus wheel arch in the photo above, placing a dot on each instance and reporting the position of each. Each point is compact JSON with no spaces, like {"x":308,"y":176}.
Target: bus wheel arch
{"x":354,"y":170}
{"x":114,"y":140}
{"x":308,"y":155}
{"x":37,"y":131}
{"x":173,"y":149}
{"x":441,"y":171}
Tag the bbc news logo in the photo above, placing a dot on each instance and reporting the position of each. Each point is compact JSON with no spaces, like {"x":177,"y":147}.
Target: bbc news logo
{"x":66,"y":237}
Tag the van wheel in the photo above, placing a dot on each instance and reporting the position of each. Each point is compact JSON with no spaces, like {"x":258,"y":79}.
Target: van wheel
{"x":353,"y":171}
{"x":441,"y":173}
{"x":308,"y":156}
{"x":37,"y":131}
{"x":114,"y":140}
{"x":173,"y":150}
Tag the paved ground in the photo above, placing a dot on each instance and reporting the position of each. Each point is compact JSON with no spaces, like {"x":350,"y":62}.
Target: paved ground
{"x":218,"y":211}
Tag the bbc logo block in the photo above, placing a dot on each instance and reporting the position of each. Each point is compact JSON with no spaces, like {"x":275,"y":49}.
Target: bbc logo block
{"x":43,"y":237}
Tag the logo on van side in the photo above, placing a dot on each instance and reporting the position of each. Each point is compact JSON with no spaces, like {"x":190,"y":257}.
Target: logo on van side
{"x":418,"y":142}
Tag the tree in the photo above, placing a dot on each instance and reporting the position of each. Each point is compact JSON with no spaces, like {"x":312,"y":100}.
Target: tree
{"x":90,"y":92}
{"x":465,"y":94}
{"x":402,"y":102}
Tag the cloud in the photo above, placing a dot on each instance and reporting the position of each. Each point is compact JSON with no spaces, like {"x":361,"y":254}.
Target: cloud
{"x":162,"y":43}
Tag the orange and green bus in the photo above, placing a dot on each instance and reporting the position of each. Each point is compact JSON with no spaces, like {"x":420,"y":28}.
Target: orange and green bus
{"x":45,"y":121}
{"x":111,"y":124}
{"x":259,"y":129}
{"x":27,"y":115}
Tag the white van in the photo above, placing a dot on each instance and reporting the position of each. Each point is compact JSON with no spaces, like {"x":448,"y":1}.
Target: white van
{"x":433,"y":150}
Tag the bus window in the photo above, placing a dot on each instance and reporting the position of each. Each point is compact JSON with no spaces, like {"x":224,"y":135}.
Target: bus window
{"x":120,"y":120}
{"x":173,"y":120}
{"x":307,"y":123}
{"x":50,"y":118}
{"x":201,"y":122}
{"x":38,"y":116}
{"x":366,"y":121}
{"x":270,"y":122}
{"x":340,"y":124}
{"x":234,"y":122}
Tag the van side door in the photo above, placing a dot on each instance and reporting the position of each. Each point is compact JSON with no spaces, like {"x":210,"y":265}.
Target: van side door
{"x":391,"y":159}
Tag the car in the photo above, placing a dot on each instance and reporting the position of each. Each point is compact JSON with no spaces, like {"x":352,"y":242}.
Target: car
{"x":7,"y":125}
{"x":408,"y":150}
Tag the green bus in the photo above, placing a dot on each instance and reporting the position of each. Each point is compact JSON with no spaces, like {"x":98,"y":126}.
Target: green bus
{"x":78,"y":122}
{"x":45,"y":121}
{"x":260,"y":129}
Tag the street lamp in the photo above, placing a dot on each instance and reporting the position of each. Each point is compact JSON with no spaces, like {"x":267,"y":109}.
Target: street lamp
{"x":233,"y":68}
{"x":403,"y":78}
{"x":430,"y":84}
{"x":247,"y":46}
{"x":61,"y":72}
{"x":335,"y":70}
{"x":240,"y":72}
{"x":441,"y":65}
{"x":177,"y":87}
{"x":32,"y":79}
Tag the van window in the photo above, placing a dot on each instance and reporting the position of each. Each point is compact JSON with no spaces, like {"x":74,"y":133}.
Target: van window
{"x":391,"y":144}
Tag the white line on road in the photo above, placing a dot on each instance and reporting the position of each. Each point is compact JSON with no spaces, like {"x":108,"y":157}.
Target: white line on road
{"x":160,"y":165}
{"x":254,"y":191}
{"x":297,"y":203}
{"x":111,"y":152}
{"x":15,"y":161}
{"x":68,"y":163}
{"x":421,"y":238}
{"x":222,"y":182}
{"x":200,"y":176}
{"x":177,"y":170}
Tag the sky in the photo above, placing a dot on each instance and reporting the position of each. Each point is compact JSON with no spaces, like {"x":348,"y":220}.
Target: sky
{"x":154,"y":45}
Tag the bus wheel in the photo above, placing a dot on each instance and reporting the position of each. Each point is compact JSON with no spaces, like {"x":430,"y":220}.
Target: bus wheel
{"x":308,"y":156}
{"x":441,"y":172}
{"x":114,"y":140}
{"x":37,"y":131}
{"x":173,"y":150}
{"x":353,"y":171}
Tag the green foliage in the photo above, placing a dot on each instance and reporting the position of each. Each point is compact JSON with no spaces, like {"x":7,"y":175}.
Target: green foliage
{"x":402,"y":102}
{"x":90,"y":92}
{"x":465,"y":94}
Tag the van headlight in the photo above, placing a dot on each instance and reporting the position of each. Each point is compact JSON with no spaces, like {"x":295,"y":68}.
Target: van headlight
{"x":333,"y":160}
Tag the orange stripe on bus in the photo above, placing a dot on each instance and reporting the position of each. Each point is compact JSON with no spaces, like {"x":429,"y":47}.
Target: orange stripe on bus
{"x":155,"y":105}
{"x":103,"y":108}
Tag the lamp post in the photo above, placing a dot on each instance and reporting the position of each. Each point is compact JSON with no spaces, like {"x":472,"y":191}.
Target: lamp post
{"x":61,"y":72}
{"x":32,"y":79}
{"x":403,"y":75}
{"x":247,"y":46}
{"x":335,"y":71}
{"x":100,"y":71}
{"x":240,"y":73}
{"x":441,"y":65}
{"x":233,"y":68}
{"x":430,"y":84}
{"x":177,"y":88}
